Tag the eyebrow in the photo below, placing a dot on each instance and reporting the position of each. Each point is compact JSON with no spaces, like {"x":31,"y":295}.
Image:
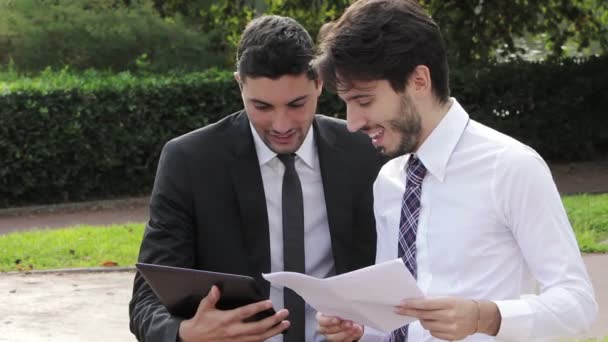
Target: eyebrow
{"x":358,"y":96}
{"x":297,"y":99}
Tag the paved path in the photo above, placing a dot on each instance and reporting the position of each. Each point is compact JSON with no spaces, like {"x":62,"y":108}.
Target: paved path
{"x":65,"y":307}
{"x":66,"y":215}
{"x":597,"y":266}
{"x":94,"y":306}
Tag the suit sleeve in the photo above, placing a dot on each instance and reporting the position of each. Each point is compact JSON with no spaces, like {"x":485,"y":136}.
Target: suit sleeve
{"x":168,"y":239}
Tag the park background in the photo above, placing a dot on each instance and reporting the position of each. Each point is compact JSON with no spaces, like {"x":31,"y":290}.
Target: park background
{"x":91,"y":90}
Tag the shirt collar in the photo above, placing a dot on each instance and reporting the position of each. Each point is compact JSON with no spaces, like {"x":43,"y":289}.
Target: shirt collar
{"x":436,"y":150}
{"x":307,"y":151}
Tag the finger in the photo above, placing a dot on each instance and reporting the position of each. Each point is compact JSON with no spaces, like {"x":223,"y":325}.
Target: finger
{"x":348,"y":328}
{"x":339,"y":337}
{"x":210,"y":300}
{"x":246,"y":311}
{"x":435,"y":326}
{"x":334,"y":325}
{"x":327,"y":320}
{"x":420,"y":314}
{"x":356,"y":331}
{"x":347,"y":324}
{"x":260,"y":327}
{"x":427,"y":303}
{"x":331,"y":329}
{"x":275,"y":330}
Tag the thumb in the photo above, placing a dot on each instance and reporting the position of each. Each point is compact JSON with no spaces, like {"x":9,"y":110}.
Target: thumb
{"x":209,"y":302}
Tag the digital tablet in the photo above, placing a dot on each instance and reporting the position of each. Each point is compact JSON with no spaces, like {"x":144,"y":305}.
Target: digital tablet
{"x":180,"y":290}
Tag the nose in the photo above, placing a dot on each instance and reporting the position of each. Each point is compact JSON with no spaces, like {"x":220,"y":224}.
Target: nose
{"x":354,"y":120}
{"x":281,"y":122}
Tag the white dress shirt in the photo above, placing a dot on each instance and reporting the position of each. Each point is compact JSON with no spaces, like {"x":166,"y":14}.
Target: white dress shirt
{"x":491,"y":226}
{"x":319,"y":259}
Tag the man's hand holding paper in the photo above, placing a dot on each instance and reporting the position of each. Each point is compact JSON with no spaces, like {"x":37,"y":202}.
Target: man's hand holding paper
{"x":367,"y":296}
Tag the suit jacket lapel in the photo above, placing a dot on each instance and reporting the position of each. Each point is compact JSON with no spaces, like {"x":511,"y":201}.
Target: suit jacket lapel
{"x":247,"y":180}
{"x":335,"y":186}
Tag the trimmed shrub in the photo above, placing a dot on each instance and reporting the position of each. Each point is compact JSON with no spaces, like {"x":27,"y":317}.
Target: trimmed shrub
{"x":70,"y":137}
{"x":98,"y":135}
{"x":557,"y":108}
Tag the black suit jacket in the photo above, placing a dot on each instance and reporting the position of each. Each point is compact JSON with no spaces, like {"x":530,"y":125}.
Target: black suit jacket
{"x":208,"y":209}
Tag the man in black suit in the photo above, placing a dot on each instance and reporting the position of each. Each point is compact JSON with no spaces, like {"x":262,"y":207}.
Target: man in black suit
{"x":273,"y":187}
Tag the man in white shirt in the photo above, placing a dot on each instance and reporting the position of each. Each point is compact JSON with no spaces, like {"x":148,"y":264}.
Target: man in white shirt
{"x":474,"y":214}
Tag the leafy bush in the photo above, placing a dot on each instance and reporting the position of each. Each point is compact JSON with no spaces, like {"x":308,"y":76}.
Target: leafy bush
{"x":556,"y":107}
{"x":98,"y":34}
{"x":74,"y":137}
{"x":67,"y":136}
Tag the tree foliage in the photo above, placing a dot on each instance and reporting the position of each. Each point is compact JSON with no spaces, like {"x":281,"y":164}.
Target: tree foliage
{"x":475,"y":30}
{"x":478,"y":30}
{"x":224,"y":20}
{"x":101,"y":34}
{"x":115,"y":33}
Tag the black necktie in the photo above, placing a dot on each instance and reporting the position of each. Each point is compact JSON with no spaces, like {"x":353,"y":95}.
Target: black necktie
{"x":293,"y":245}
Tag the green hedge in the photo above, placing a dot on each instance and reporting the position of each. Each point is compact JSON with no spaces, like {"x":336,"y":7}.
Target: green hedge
{"x":557,"y":108}
{"x":67,"y":137}
{"x":97,"y":136}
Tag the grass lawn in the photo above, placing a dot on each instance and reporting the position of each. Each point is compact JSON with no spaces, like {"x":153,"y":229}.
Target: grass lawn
{"x":78,"y":246}
{"x":589,"y":217}
{"x":118,"y":245}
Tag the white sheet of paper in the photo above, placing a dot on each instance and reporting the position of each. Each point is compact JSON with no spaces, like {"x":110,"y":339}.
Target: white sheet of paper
{"x":366,"y":296}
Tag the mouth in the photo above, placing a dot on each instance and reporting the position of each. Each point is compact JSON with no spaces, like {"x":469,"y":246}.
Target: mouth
{"x":283,"y":138}
{"x":376,"y":135}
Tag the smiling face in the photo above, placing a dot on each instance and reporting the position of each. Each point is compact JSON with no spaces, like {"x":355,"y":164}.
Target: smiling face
{"x":389,"y":118}
{"x":281,"y":110}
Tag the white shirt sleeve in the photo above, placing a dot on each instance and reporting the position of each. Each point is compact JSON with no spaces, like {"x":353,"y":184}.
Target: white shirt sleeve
{"x":528,"y":201}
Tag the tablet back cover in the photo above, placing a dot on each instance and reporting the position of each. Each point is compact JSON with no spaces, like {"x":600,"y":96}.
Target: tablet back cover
{"x":182,"y":289}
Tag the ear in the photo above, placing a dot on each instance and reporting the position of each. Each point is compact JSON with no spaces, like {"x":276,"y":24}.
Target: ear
{"x":420,"y":81}
{"x":319,"y":86}
{"x":237,"y":77}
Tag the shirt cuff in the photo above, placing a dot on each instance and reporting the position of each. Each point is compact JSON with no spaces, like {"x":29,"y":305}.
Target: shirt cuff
{"x":516,"y":320}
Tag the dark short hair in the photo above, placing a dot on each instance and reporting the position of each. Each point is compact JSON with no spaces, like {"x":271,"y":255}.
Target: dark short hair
{"x":272,"y":46}
{"x":382,"y":40}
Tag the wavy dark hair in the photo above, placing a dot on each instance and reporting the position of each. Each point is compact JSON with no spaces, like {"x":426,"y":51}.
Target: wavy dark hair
{"x":382,"y":40}
{"x":272,"y":46}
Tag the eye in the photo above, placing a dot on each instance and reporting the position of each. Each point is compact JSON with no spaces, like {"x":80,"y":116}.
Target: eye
{"x":261,"y":107}
{"x":365,"y":103}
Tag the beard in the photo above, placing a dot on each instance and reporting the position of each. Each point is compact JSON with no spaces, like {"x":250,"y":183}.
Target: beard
{"x":408,"y":125}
